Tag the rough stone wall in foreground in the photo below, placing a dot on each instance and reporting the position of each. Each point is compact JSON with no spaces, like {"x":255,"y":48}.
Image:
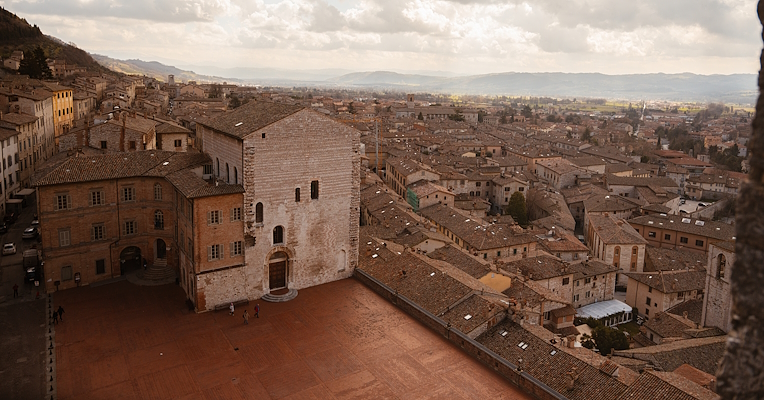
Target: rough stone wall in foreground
{"x":741,"y":374}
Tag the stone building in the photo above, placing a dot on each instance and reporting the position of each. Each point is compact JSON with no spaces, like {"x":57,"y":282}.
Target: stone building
{"x":717,"y":300}
{"x":616,"y":243}
{"x":102,"y":215}
{"x":301,"y":175}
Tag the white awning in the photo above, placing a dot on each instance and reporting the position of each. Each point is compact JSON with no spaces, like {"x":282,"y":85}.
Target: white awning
{"x":603,"y":309}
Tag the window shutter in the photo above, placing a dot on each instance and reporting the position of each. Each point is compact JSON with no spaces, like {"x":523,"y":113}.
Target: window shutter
{"x":230,"y":245}
{"x":209,"y":253}
{"x":209,"y":217}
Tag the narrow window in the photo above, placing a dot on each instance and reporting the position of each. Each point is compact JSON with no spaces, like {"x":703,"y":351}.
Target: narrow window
{"x":235,"y":176}
{"x":100,"y":267}
{"x":278,"y":235}
{"x":178,"y":143}
{"x":259,"y":213}
{"x":297,"y":195}
{"x":213,"y":217}
{"x":157,"y":192}
{"x":128,"y":228}
{"x":103,"y":144}
{"x":64,"y":237}
{"x":236,"y":248}
{"x":132,"y":145}
{"x":63,"y":201}
{"x":98,"y":232}
{"x":158,"y":220}
{"x":236,"y":214}
{"x":314,"y":190}
{"x":227,"y":174}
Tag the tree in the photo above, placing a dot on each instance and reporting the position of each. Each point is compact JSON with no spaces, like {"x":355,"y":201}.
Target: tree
{"x":608,"y":339}
{"x":215,"y":91}
{"x":235,"y":102}
{"x":351,"y":109}
{"x":503,"y":119}
{"x":456,"y":117}
{"x":420,"y":116}
{"x":516,"y":208}
{"x":586,"y":135}
{"x":35,"y":65}
{"x":527,"y":112}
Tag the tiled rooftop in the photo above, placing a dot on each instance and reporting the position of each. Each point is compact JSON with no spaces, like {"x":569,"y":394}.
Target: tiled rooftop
{"x":250,"y":117}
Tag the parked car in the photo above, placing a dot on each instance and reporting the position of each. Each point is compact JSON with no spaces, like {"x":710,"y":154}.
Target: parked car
{"x":682,"y":201}
{"x":10,"y":218}
{"x":30,"y":233}
{"x":3,"y":227}
{"x":9,"y":248}
{"x":35,"y":222}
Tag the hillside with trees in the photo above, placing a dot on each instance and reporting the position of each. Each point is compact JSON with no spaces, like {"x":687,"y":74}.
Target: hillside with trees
{"x":17,"y":34}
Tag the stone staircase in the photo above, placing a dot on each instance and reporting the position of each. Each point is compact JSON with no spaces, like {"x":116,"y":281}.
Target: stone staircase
{"x":158,"y":271}
{"x":280,"y":298}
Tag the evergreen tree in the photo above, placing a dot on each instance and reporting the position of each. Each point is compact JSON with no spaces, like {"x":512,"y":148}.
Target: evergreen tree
{"x":516,"y":208}
{"x":35,"y":65}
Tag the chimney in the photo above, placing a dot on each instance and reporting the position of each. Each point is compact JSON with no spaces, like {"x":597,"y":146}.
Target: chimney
{"x":121,"y":135}
{"x":684,"y":314}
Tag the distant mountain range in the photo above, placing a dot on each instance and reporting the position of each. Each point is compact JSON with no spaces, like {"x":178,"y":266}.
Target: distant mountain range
{"x":737,"y":88}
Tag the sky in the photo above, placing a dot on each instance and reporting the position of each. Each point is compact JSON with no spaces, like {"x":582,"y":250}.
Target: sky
{"x":458,"y":36}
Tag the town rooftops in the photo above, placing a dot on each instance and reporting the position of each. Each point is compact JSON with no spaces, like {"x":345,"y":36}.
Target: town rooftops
{"x":193,"y":186}
{"x":702,"y":353}
{"x":608,"y":203}
{"x":711,"y":229}
{"x":538,"y":268}
{"x":250,"y":117}
{"x":474,"y":233}
{"x":561,"y":166}
{"x":614,"y":231}
{"x":459,"y":259}
{"x":19,"y":119}
{"x":662,"y":181}
{"x":83,"y":168}
{"x":652,"y":385}
{"x":671,"y":281}
{"x":664,"y":259}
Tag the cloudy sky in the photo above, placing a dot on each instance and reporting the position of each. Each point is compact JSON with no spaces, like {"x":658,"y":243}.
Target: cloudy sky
{"x":461,"y":36}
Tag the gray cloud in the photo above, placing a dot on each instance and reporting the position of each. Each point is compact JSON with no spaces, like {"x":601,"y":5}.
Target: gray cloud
{"x":176,"y":11}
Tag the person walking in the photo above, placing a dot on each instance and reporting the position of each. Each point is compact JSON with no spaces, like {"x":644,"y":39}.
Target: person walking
{"x":15,"y":290}
{"x":257,"y":310}
{"x":60,"y":312}
{"x":246,"y":317}
{"x":230,"y":308}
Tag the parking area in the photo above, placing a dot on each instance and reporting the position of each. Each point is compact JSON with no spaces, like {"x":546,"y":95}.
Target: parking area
{"x":691,"y":206}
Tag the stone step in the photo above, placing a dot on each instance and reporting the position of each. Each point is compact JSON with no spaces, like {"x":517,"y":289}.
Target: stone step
{"x":276,"y":298}
{"x":158,"y":272}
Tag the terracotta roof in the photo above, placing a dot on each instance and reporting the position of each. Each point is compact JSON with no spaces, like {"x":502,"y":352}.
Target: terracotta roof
{"x":663,"y":259}
{"x":653,"y":385}
{"x":613,"y":231}
{"x":668,"y":325}
{"x":461,"y":260}
{"x":541,"y":267}
{"x":671,"y":281}
{"x":193,"y":186}
{"x":711,"y":229}
{"x":250,"y":117}
{"x":550,"y":364}
{"x":470,"y":314}
{"x":19,"y":119}
{"x":693,"y":307}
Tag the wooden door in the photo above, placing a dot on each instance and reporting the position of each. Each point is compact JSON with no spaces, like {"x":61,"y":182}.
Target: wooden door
{"x":277,"y":274}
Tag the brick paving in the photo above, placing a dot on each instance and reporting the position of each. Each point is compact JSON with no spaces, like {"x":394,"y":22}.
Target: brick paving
{"x":334,"y":341}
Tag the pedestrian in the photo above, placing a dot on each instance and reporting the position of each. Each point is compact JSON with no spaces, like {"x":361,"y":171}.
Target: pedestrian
{"x":15,"y":290}
{"x":231,"y":309}
{"x":246,"y":317}
{"x":55,"y":318}
{"x":257,"y":310}
{"x":145,"y":264}
{"x":60,"y":312}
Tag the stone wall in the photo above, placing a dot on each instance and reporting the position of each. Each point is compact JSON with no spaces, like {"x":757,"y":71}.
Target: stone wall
{"x":320,"y":235}
{"x":717,"y":300}
{"x":224,"y":150}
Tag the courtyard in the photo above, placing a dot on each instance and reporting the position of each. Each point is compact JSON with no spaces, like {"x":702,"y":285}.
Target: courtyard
{"x":335,"y":341}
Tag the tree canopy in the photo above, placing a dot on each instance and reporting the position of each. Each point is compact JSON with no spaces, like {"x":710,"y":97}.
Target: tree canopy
{"x":516,"y":208}
{"x":35,"y":65}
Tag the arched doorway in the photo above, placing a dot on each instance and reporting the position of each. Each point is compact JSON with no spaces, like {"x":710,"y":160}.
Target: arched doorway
{"x":130,"y":259}
{"x":161,"y":248}
{"x":277,"y":271}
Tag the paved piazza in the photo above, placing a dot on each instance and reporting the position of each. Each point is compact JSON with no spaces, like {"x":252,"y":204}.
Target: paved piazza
{"x":334,"y":341}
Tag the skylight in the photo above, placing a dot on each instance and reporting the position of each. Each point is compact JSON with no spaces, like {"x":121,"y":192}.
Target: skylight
{"x":239,"y":124}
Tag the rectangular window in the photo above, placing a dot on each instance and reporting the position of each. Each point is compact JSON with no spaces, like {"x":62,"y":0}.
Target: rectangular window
{"x":565,"y":281}
{"x":64,"y":237}
{"x":207,"y":169}
{"x":297,"y":195}
{"x":588,"y":280}
{"x":575,"y":297}
{"x":588,"y":294}
{"x":98,"y":232}
{"x":699,"y":243}
{"x":63,"y":202}
{"x":103,"y":144}
{"x":128,"y":194}
{"x":129,"y":228}
{"x":236,"y":214}
{"x":477,"y":184}
{"x":667,"y":237}
{"x":96,"y":198}
{"x":132,"y":145}
{"x":647,"y":312}
{"x":651,"y":234}
{"x":314,"y":190}
{"x":66,"y":273}
{"x":213,"y":217}
{"x":100,"y":266}
{"x":649,"y":290}
{"x":683,"y":240}
{"x":178,"y":143}
{"x":214,"y":252}
{"x":157,"y":192}
{"x":647,"y":301}
{"x":236,"y":248}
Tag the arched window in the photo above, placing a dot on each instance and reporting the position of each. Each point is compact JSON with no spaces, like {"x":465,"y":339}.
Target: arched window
{"x":227,"y":174}
{"x":259,"y":213}
{"x":278,"y":235}
{"x":235,"y":176}
{"x":217,"y":161}
{"x":617,"y":256}
{"x":721,"y":265}
{"x":158,"y":220}
{"x":634,"y":254}
{"x":157,"y":192}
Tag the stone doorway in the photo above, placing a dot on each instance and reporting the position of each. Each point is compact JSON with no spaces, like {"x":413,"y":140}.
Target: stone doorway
{"x":161,"y":248}
{"x":277,"y":271}
{"x":130,"y":259}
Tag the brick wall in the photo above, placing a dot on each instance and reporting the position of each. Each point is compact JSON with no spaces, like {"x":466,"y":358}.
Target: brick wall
{"x":224,"y":150}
